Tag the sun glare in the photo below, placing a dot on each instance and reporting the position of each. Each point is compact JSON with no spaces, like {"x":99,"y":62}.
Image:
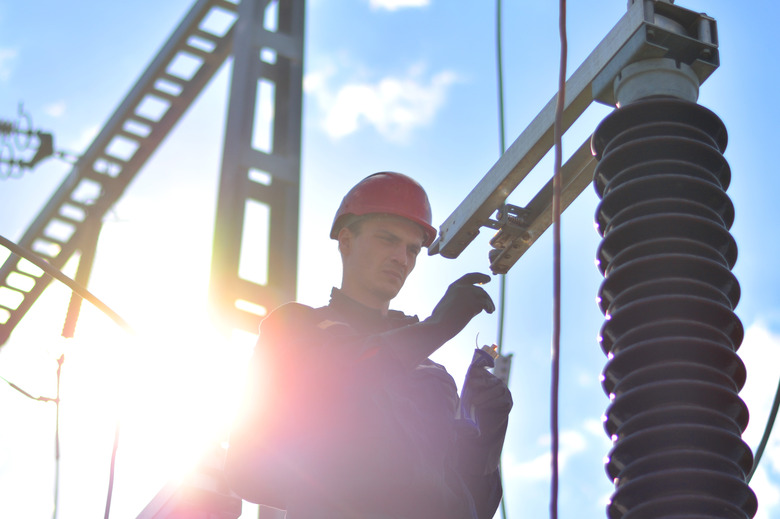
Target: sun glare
{"x":174,"y":388}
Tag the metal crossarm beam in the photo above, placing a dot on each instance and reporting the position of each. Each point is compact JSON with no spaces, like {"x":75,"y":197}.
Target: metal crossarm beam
{"x":642,"y":33}
{"x":171,"y":83}
{"x":260,"y":182}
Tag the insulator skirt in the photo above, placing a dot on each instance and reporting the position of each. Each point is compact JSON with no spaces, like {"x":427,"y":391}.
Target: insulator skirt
{"x":671,"y":335}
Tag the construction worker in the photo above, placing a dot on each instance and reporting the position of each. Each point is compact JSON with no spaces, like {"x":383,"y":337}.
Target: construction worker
{"x":345,"y":416}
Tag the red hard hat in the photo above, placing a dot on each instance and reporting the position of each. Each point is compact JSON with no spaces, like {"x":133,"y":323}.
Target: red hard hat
{"x":388,"y":193}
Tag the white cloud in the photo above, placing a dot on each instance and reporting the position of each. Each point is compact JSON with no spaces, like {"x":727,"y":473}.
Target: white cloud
{"x":596,"y":428}
{"x":571,"y":442}
{"x":767,"y":492}
{"x":394,"y":106}
{"x":392,"y":5}
{"x":760,"y":351}
{"x":55,"y":109}
{"x":7,"y":57}
{"x":316,"y":80}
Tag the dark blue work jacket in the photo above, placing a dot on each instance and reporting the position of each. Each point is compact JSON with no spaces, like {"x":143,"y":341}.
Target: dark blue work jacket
{"x":334,"y":428}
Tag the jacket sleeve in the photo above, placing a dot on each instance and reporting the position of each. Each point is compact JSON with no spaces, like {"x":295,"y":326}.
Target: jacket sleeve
{"x":479,"y":450}
{"x":485,"y":488}
{"x":262,"y":460}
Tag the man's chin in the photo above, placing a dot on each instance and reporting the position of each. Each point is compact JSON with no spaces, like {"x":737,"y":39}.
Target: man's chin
{"x":388,"y":292}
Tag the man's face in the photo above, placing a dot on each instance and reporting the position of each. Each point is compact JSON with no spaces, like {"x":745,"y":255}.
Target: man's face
{"x":378,"y":258}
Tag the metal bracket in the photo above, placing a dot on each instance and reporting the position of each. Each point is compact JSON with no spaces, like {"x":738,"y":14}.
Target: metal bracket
{"x":511,"y":224}
{"x":509,"y":217}
{"x":649,"y":30}
{"x":503,"y":367}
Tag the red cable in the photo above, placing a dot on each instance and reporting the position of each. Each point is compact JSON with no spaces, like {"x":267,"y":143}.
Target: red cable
{"x":556,"y":209}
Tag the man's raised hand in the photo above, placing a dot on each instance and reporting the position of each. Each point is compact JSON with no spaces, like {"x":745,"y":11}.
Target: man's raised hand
{"x":462,"y":301}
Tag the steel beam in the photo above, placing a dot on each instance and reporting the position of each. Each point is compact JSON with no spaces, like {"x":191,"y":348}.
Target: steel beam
{"x":267,"y":65}
{"x":644,"y":32}
{"x":148,"y":113}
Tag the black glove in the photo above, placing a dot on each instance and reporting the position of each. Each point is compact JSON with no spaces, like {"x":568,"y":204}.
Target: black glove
{"x":462,"y":301}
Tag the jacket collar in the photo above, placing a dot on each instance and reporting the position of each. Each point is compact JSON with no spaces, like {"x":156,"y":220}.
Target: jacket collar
{"x":362,"y":316}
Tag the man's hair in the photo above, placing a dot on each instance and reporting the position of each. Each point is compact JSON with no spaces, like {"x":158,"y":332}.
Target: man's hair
{"x":356,"y":225}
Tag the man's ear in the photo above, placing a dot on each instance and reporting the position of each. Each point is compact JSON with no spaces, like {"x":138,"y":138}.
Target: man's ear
{"x":345,"y":238}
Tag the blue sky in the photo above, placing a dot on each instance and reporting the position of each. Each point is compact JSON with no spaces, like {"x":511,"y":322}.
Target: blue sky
{"x":396,"y":85}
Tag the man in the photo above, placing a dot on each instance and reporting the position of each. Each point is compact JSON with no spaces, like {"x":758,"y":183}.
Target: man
{"x":345,"y":416}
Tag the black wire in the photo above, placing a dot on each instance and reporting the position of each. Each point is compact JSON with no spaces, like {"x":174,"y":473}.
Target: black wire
{"x":500,"y":71}
{"x":62,"y":278}
{"x":502,"y":144}
{"x":57,"y":441}
{"x":56,"y":427}
{"x":66,"y":156}
{"x":86,"y":294}
{"x":767,"y":433}
{"x":25,"y":393}
{"x":556,"y":210}
{"x":112,"y":471}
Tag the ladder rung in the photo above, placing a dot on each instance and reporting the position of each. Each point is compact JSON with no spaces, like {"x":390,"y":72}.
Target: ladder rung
{"x":9,"y":287}
{"x":130,"y":135}
{"x":227,"y":6}
{"x":111,"y":172}
{"x":175,"y":80}
{"x":110,"y":159}
{"x":142,"y":119}
{"x":17,"y":274}
{"x":136,"y":129}
{"x":164,"y":95}
{"x":70,"y":220}
{"x":51,"y":239}
{"x":196,"y":51}
{"x":44,"y":253}
{"x":76,"y":204}
{"x":211,"y":38}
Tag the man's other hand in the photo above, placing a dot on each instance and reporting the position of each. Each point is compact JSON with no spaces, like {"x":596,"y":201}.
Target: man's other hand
{"x":463,"y":300}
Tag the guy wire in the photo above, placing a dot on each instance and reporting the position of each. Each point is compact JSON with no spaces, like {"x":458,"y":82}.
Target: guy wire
{"x":502,"y":145}
{"x":556,"y":210}
{"x":86,"y":294}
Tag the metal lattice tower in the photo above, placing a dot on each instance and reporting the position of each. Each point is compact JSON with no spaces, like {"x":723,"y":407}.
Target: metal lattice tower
{"x":260,"y":183}
{"x":266,"y":40}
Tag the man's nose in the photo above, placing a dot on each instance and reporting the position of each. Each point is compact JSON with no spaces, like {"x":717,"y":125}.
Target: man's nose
{"x":400,"y":256}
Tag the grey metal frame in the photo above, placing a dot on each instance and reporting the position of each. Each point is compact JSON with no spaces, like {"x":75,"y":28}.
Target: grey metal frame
{"x":120,"y":150}
{"x":635,"y":37}
{"x":268,"y":55}
{"x":264,"y":50}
